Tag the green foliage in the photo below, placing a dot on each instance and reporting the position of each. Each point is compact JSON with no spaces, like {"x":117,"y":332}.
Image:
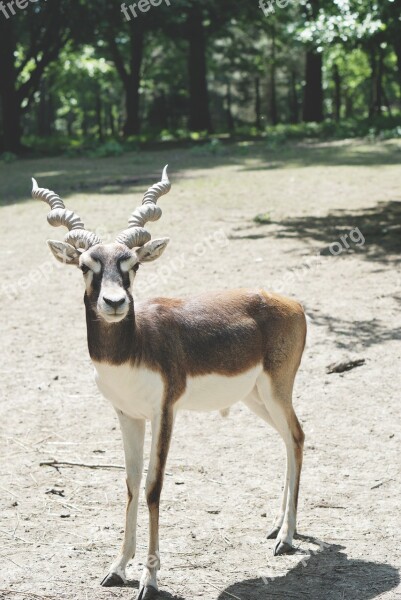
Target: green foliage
{"x":111,"y":148}
{"x":8,"y":157}
{"x":47,"y":145}
{"x":377,"y":128}
{"x":213,"y":148}
{"x":73,"y":69}
{"x":276,"y":137}
{"x":262,"y":219}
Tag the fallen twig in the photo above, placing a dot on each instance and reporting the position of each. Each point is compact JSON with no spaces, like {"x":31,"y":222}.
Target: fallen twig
{"x":8,"y":492}
{"x":30,"y":594}
{"x":15,"y":537}
{"x":345,"y":365}
{"x":65,"y":463}
{"x":374,"y":487}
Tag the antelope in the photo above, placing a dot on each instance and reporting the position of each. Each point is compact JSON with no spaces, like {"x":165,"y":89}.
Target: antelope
{"x":155,"y":357}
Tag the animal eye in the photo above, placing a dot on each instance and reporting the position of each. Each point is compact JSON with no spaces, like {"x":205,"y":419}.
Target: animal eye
{"x":84,"y":269}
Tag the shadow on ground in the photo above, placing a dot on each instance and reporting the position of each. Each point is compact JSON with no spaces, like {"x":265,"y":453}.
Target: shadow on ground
{"x":346,"y":333}
{"x":380,"y":227}
{"x":134,"y":170}
{"x":159,"y":595}
{"x":356,"y":153}
{"x":327,"y":575}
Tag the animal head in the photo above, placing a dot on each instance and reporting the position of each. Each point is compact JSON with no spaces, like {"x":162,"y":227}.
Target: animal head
{"x":108,"y":269}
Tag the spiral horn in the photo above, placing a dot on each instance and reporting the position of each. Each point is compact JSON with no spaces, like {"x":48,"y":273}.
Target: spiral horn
{"x":136,"y":235}
{"x":59,"y":215}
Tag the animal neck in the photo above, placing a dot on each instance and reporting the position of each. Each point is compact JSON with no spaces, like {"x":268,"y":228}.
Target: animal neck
{"x":114,"y":343}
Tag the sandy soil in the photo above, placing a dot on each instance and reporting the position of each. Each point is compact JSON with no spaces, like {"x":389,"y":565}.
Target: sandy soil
{"x":224,"y":475}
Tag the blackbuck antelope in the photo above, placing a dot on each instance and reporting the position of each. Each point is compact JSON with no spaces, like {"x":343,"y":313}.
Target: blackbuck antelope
{"x":205,"y":352}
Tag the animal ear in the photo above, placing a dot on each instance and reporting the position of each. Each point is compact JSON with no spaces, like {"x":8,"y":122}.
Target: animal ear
{"x":64,"y":252}
{"x":151,"y":250}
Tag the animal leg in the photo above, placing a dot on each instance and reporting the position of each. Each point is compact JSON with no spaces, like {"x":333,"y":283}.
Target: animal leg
{"x":258,"y":407}
{"x":162,"y":427}
{"x":277,"y":396}
{"x":133,"y":434}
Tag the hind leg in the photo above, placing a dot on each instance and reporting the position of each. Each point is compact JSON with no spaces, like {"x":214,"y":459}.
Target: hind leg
{"x":276,"y":394}
{"x":258,"y":407}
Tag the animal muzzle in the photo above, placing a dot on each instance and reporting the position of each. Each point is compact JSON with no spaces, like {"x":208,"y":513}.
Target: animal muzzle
{"x":113,"y":305}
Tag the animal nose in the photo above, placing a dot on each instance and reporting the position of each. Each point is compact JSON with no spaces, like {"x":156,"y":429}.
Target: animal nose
{"x":114,"y":302}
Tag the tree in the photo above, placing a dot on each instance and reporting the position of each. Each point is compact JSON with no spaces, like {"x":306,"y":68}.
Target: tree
{"x":313,"y":90}
{"x":199,"y":115}
{"x":29,"y":42}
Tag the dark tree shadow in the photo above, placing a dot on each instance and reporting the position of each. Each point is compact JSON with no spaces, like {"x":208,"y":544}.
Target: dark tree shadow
{"x":380,"y":227}
{"x":329,"y":153}
{"x":325,"y":575}
{"x":347,"y":332}
{"x":116,"y":175}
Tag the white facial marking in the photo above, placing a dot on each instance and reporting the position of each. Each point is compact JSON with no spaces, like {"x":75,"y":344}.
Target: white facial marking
{"x":126,"y":265}
{"x":132,"y":275}
{"x":112,"y":304}
{"x":93,"y":265}
{"x":88,"y":277}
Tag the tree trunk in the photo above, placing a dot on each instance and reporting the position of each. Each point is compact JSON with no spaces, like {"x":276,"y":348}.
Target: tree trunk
{"x":273,"y":94}
{"x":397,"y":48}
{"x":349,"y":105}
{"x":10,"y":105}
{"x":111,"y":121}
{"x":70,"y":119}
{"x":313,"y":92}
{"x":199,"y":116}
{"x":99,"y":116}
{"x":133,"y":80}
{"x":84,"y":123}
{"x":294,"y":105}
{"x":376,"y":65}
{"x":230,"y":120}
{"x":44,"y":110}
{"x":258,"y":115}
{"x":337,"y":93}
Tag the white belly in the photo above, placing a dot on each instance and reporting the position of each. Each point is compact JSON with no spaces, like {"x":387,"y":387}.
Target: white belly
{"x":138,"y":391}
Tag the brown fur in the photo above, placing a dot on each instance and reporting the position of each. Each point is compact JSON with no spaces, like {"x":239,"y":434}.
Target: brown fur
{"x":224,"y":332}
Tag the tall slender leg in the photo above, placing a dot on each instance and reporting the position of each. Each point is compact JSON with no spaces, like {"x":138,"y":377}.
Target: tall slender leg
{"x":133,"y":433}
{"x":162,"y":427}
{"x":277,"y":394}
{"x":258,"y":407}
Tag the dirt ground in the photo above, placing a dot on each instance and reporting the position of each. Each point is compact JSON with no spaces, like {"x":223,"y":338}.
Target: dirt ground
{"x":60,"y":529}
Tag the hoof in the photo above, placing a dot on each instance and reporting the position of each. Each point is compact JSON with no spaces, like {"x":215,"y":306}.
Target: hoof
{"x":112,"y":580}
{"x":147,"y":592}
{"x":273,"y":533}
{"x":283,"y":548}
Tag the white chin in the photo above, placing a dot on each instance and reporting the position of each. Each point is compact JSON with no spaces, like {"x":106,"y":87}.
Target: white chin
{"x":113,"y":318}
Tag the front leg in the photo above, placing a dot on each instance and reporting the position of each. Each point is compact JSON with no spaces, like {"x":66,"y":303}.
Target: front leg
{"x":133,"y":433}
{"x":162,"y":427}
